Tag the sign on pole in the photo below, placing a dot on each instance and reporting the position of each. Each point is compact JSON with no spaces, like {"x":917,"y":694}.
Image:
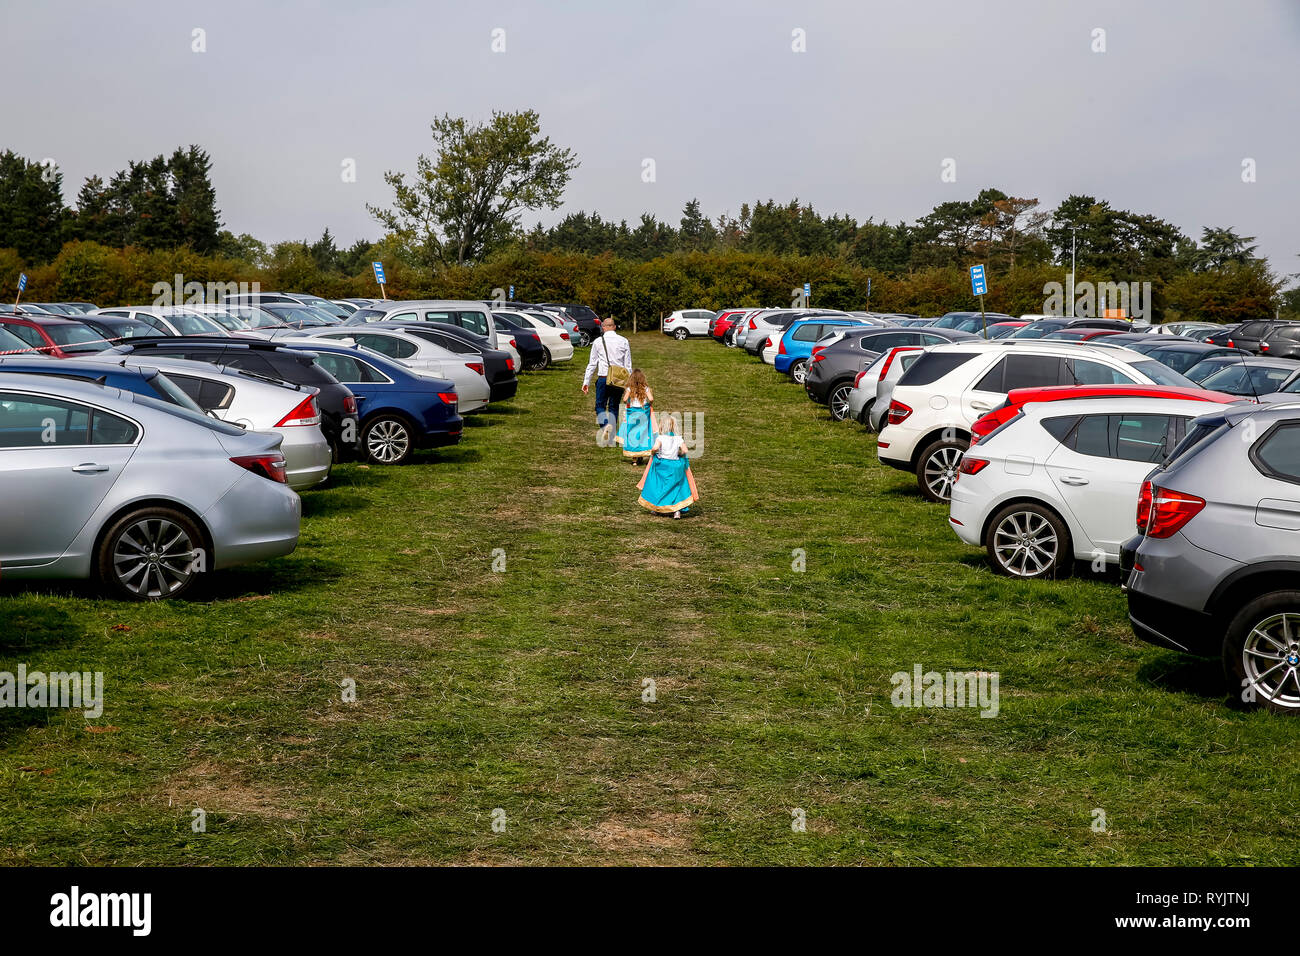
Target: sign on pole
{"x":22,"y":284}
{"x":512,"y":293}
{"x":379,"y":277}
{"x":978,"y":286}
{"x":807,"y":292}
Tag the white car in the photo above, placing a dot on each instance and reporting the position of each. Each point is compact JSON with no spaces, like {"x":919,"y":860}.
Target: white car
{"x":687,"y":322}
{"x":256,"y":404}
{"x":1060,"y":481}
{"x":947,"y":389}
{"x":168,"y":320}
{"x":419,"y":354}
{"x":558,"y":343}
{"x":867,"y":386}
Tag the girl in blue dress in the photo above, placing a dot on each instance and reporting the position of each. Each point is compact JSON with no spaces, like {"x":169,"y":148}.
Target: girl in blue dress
{"x":636,"y":430}
{"x":668,"y":487}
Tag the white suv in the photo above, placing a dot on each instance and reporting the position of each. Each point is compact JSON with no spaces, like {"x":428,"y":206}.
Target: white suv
{"x":947,"y":389}
{"x":687,"y":322}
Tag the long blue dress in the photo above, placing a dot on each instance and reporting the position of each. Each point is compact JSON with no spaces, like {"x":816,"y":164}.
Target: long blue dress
{"x":668,"y":484}
{"x":636,"y":432}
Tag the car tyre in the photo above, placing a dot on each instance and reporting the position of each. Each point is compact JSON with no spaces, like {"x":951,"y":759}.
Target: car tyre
{"x":545,"y":361}
{"x":838,"y":401}
{"x":680,"y":335}
{"x":1026,"y":540}
{"x":864,"y":416}
{"x":936,"y":467}
{"x":799,"y":371}
{"x":151,"y":554}
{"x":583,"y":339}
{"x":1261,"y":653}
{"x":388,"y":440}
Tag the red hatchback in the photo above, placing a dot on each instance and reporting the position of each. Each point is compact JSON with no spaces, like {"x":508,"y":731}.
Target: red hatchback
{"x":53,"y":335}
{"x":1055,"y":393}
{"x":725,"y":320}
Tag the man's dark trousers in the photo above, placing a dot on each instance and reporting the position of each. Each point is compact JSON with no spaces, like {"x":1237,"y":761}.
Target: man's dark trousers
{"x":607,"y":399}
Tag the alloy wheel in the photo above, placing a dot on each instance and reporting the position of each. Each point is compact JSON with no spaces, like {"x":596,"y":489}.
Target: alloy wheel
{"x":839,"y":402}
{"x":941,"y":471}
{"x":1271,"y":659}
{"x":153,"y":558}
{"x":1025,"y":544}
{"x":388,"y":441}
{"x":799,"y":372}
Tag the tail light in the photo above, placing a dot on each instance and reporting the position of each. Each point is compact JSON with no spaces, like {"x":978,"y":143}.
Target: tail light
{"x":972,"y":466}
{"x":565,"y":336}
{"x":752,"y":326}
{"x":781,"y":346}
{"x":448,"y":398}
{"x":475,"y":367}
{"x":350,"y":405}
{"x":510,"y":364}
{"x":1162,"y":512}
{"x":514,"y":345}
{"x":992,"y":422}
{"x":1263,"y":346}
{"x":889,"y":360}
{"x":819,"y":357}
{"x":270,"y":465}
{"x":304,"y":413}
{"x":898,"y":412}
{"x":857,"y":379}
{"x":1231,"y":344}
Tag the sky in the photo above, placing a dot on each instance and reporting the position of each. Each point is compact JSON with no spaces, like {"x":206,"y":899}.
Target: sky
{"x":860,"y":121}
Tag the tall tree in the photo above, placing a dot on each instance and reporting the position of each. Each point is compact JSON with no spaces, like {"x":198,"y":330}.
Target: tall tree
{"x":467,"y":200}
{"x":31,"y":207}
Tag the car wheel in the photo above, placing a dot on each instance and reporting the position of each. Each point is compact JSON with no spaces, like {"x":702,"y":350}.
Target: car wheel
{"x":936,"y":469}
{"x":864,"y":416}
{"x":680,"y":335}
{"x":583,"y":339}
{"x":388,"y":440}
{"x":151,"y":554}
{"x":799,"y":371}
{"x":1261,"y":653}
{"x":1028,"y":541}
{"x":838,"y":402}
{"x":731,"y":341}
{"x":544,"y":361}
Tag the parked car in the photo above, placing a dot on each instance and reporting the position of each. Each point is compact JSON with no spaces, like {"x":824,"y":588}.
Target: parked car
{"x":499,"y":365}
{"x":423,"y":355}
{"x":166,"y":320}
{"x":1055,"y":483}
{"x":1282,"y":342}
{"x":1075,"y":334}
{"x":401,"y":409}
{"x":943,"y":393}
{"x":1251,"y":376}
{"x":560,"y":320}
{"x":338,"y":406}
{"x":1182,"y":354}
{"x":586,"y":318}
{"x":136,"y":494}
{"x":114,"y":330}
{"x":723,"y":321}
{"x":256,"y":403}
{"x":472,"y":316}
{"x":1001,"y":329}
{"x":1248,"y":336}
{"x":687,"y":322}
{"x":54,"y":335}
{"x":795,"y":344}
{"x":1214,"y":563}
{"x":555,"y":341}
{"x":834,"y":367}
{"x":877,"y":380}
{"x":1184,"y":328}
{"x":523,"y":339}
{"x":11,"y":344}
{"x":1223,"y":335}
{"x":138,"y":380}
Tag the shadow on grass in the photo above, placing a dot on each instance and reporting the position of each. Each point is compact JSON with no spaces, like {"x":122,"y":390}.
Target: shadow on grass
{"x":26,"y":625}
{"x":452,"y":455}
{"x":266,"y":578}
{"x":333,"y":501}
{"x":1185,"y":674}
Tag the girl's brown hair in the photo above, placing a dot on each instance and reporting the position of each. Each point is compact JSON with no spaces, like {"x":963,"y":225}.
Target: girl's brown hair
{"x":637,"y":387}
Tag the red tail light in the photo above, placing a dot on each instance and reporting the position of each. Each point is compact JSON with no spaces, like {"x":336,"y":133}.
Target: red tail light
{"x":475,"y":366}
{"x":1162,"y":512}
{"x":780,"y":347}
{"x":305,"y":413}
{"x":889,"y":359}
{"x":992,"y":422}
{"x":514,"y":345}
{"x":752,"y":326}
{"x":819,"y":357}
{"x":768,"y":343}
{"x":972,"y":466}
{"x":448,"y":398}
{"x":1231,"y":344}
{"x":350,"y":405}
{"x":270,"y":465}
{"x":857,"y":379}
{"x":510,"y":364}
{"x":898,"y":412}
{"x":565,"y":336}
{"x":1263,"y":346}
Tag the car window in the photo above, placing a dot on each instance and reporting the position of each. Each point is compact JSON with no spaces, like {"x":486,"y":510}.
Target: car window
{"x":1278,"y":453}
{"x":208,"y":394}
{"x":1162,"y":374}
{"x":1142,"y":438}
{"x":28,"y":335}
{"x":807,"y":333}
{"x":932,"y":366}
{"x":343,"y":367}
{"x":1086,"y":372}
{"x":249,"y":361}
{"x":1021,"y":371}
{"x":449,"y":342}
{"x":388,"y":345}
{"x":37,"y":422}
{"x":109,"y":429}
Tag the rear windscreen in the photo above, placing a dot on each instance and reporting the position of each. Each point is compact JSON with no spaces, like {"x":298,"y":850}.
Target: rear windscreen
{"x":933,"y":366}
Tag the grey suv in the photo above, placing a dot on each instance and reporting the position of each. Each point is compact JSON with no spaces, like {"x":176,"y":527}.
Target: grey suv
{"x":1215,"y":569}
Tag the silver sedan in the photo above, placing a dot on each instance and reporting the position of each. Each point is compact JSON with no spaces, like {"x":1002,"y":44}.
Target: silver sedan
{"x":140,"y":496}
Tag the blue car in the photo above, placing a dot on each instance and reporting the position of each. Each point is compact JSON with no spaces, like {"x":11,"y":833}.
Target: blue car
{"x":140,"y":381}
{"x":400,"y":409}
{"x":796,"y":345}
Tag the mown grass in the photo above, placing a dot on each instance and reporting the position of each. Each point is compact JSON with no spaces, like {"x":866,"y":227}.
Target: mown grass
{"x":523,"y":690}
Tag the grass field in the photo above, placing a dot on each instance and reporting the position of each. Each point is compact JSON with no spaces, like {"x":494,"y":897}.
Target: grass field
{"x":522,"y":690}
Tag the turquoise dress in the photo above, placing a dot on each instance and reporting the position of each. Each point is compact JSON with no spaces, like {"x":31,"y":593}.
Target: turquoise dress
{"x":668,"y":484}
{"x":636,"y":431}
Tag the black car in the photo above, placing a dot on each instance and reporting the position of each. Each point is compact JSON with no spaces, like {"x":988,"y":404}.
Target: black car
{"x":338,"y":406}
{"x":1283,"y":342}
{"x":1182,"y":355}
{"x":1221,"y":336}
{"x":586,"y":317}
{"x":525,"y":340}
{"x":498,"y":366}
{"x":833,"y":368}
{"x":1250,"y":334}
{"x":116,"y":329}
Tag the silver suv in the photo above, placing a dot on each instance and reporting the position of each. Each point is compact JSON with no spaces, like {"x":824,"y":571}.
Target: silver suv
{"x":1215,"y":569}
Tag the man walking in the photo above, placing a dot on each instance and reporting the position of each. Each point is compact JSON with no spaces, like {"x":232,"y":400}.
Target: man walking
{"x":611,"y":363}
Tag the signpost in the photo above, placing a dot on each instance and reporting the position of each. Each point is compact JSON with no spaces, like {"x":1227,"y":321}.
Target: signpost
{"x":512,"y":293}
{"x":868,"y":293}
{"x":379,"y":277}
{"x":22,"y":284}
{"x":807,"y":292}
{"x":978,"y":287}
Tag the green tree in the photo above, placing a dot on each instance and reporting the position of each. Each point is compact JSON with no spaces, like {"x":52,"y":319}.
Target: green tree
{"x":31,"y":207}
{"x":466,"y":201}
{"x":1221,"y":246}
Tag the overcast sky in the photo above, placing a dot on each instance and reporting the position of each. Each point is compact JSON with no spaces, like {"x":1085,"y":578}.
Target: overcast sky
{"x":711,"y":90}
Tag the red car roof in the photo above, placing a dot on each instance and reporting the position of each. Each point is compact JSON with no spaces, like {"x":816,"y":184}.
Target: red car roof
{"x":1056,"y":393}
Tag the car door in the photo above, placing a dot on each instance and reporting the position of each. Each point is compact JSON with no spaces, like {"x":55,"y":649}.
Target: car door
{"x":1099,"y":468}
{"x":58,"y":459}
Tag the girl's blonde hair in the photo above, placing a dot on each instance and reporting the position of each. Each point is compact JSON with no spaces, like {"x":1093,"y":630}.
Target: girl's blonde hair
{"x":637,"y":387}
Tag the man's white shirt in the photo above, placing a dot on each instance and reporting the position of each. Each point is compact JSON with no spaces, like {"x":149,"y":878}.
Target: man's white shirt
{"x":619,"y":353}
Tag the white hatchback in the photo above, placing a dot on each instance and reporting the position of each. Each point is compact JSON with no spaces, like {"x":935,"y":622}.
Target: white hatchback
{"x":687,"y":322}
{"x":1060,"y":481}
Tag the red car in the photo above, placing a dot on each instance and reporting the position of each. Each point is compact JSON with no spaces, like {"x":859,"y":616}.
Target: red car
{"x":725,"y":320}
{"x":54,"y":335}
{"x":1079,"y":334}
{"x":1055,"y":393}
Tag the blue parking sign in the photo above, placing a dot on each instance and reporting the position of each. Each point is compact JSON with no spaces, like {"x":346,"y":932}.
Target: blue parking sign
{"x":512,"y":293}
{"x":22,"y":281}
{"x":807,"y":289}
{"x":379,"y":272}
{"x":977,"y":284}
